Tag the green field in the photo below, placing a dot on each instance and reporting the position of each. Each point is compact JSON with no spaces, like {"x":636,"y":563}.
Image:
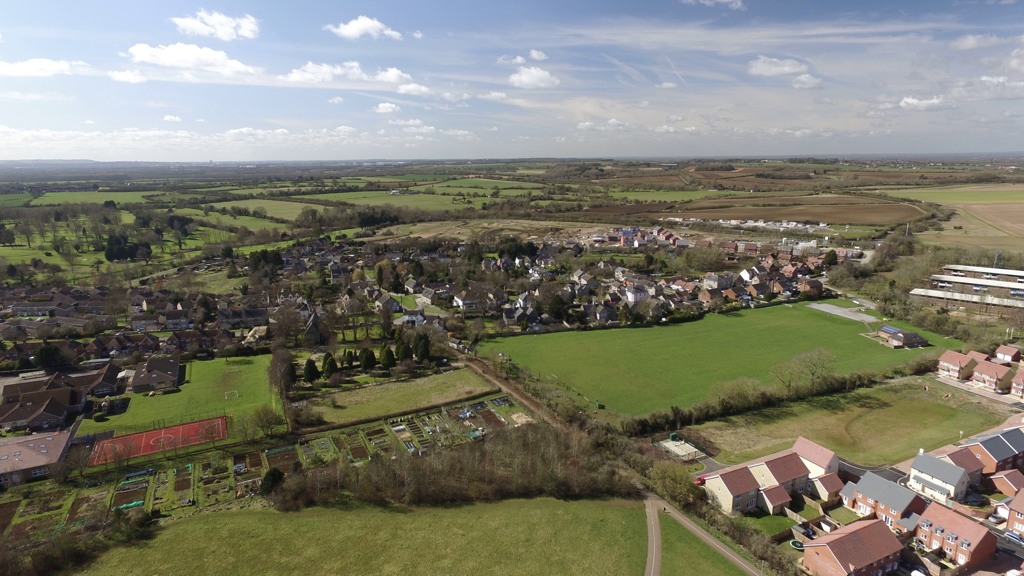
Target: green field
{"x":92,"y":197}
{"x":638,"y":371}
{"x":16,"y":199}
{"x":203,"y":394}
{"x":682,"y":553}
{"x":665,"y":195}
{"x":432,"y":202}
{"x":275,"y":208}
{"x":972,"y":194}
{"x":881,"y":425}
{"x":395,"y":397}
{"x":515,"y":537}
{"x":249,"y":222}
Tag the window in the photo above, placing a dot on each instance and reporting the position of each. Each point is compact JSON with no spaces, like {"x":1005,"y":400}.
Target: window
{"x":961,"y":559}
{"x":951,"y":538}
{"x":888,"y":520}
{"x":870,"y":500}
{"x":3,"y":478}
{"x":965,"y":544}
{"x":39,"y":472}
{"x":1019,"y":514}
{"x":892,"y":510}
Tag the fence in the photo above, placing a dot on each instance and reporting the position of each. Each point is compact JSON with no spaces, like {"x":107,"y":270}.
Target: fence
{"x":123,"y":429}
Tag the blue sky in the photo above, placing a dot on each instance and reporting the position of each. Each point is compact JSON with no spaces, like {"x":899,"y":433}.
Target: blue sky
{"x":329,"y":80}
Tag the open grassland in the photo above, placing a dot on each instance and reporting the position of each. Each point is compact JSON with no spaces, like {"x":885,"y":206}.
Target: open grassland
{"x":969,"y":194}
{"x":219,"y":219}
{"x":93,"y":197}
{"x":683,"y":553}
{"x":518,"y":537}
{"x":378,"y":400}
{"x":535,"y":230}
{"x":275,"y":208}
{"x":637,"y":371}
{"x":431,"y":202}
{"x":200,"y":397}
{"x":881,"y":425}
{"x":664,"y":195}
{"x":829,"y":208}
{"x":16,"y":199}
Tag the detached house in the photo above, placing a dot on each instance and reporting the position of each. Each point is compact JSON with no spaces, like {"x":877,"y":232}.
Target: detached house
{"x":1017,"y":384}
{"x":891,"y":503}
{"x":862,"y":549}
{"x":1015,"y":521}
{"x":733,"y":490}
{"x":992,"y":376}
{"x":966,"y":460}
{"x":937,"y":479}
{"x":955,"y":365}
{"x":1009,"y":482}
{"x":962,"y":540}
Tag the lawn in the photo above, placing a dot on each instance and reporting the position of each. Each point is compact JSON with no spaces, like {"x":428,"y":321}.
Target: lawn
{"x":203,"y":394}
{"x":665,"y":195}
{"x":275,"y":208}
{"x":638,"y":371}
{"x":869,"y":427}
{"x":219,"y":219}
{"x":769,"y":524}
{"x":683,"y":553}
{"x":432,"y":202}
{"x":93,"y":197}
{"x":521,"y":537}
{"x":392,"y":397}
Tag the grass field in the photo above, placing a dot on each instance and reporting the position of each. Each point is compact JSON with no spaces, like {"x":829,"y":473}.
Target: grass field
{"x":972,"y":194}
{"x":16,"y":199}
{"x":638,"y":371}
{"x":683,"y":553}
{"x":664,"y":195}
{"x":92,"y":197}
{"x":275,"y":208}
{"x":402,"y":396}
{"x":881,"y":425}
{"x":432,"y":202}
{"x":518,"y":537}
{"x":202,"y":394}
{"x":249,"y":222}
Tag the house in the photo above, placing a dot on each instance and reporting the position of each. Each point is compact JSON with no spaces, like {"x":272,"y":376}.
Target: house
{"x":891,"y":503}
{"x":1008,"y":354}
{"x":466,"y":302}
{"x":992,"y":376}
{"x":233,"y":317}
{"x":820,"y":461}
{"x":734,"y":490}
{"x":937,"y":479}
{"x":953,"y":364}
{"x":862,"y":548}
{"x":144,"y":322}
{"x":966,"y":460}
{"x":157,"y":374}
{"x":175,"y":320}
{"x":28,"y":415}
{"x":24,"y":458}
{"x":811,"y":287}
{"x":1015,"y":519}
{"x":387,"y":302}
{"x":1017,"y":384}
{"x":897,"y":338}
{"x":826,"y":487}
{"x":1008,"y":482}
{"x":999,"y":452}
{"x":962,"y":540}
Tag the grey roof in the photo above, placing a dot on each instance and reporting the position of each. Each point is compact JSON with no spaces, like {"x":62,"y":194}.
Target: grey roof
{"x":910,"y":522}
{"x":849,"y":490}
{"x":888,"y":493}
{"x":1015,"y":438}
{"x":941,"y":489}
{"x":945,"y":471}
{"x":997,"y":447}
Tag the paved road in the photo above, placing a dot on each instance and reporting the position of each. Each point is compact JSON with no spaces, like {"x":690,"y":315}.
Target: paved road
{"x":708,"y":539}
{"x":653,"y":538}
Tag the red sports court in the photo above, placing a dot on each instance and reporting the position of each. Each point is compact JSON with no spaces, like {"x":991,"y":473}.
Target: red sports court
{"x":159,"y":440}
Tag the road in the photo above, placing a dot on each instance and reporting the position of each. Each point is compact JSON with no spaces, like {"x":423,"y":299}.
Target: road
{"x":660,"y":504}
{"x":653,"y":538}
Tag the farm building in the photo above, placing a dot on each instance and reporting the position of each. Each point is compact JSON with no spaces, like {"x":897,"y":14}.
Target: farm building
{"x":975,"y":287}
{"x":898,"y":338}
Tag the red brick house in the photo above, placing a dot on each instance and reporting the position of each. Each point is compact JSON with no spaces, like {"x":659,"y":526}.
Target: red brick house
{"x":1008,"y":482}
{"x":1015,"y":520}
{"x":992,"y":376}
{"x":1000,"y":452}
{"x":953,"y":364}
{"x":865,"y":548}
{"x":891,"y":503}
{"x":959,"y":539}
{"x":1017,"y":384}
{"x":966,"y":459}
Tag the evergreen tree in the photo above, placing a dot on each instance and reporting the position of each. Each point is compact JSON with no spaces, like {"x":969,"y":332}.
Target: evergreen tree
{"x":367,"y":359}
{"x":330,"y":366}
{"x":310,"y":373}
{"x":387,"y":358}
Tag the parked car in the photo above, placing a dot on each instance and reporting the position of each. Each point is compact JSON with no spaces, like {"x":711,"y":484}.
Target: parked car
{"x":700,"y":480}
{"x":1014,"y":537}
{"x":996,"y":519}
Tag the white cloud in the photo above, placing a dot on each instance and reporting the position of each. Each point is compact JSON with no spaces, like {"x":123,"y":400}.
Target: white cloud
{"x":972,"y":41}
{"x":923,"y":104}
{"x":171,"y":118}
{"x":455,"y":97}
{"x":1,"y":37}
{"x":665,"y":129}
{"x":493,"y":95}
{"x":1016,"y":60}
{"x":409,"y":122}
{"x":765,"y":66}
{"x":127,"y":76}
{"x":511,"y":60}
{"x":464,"y":135}
{"x":990,"y":88}
{"x":665,"y":85}
{"x":335,"y":100}
{"x":734,"y":4}
{"x":387,"y":108}
{"x":417,"y":35}
{"x":363,"y":26}
{"x":419,"y":129}
{"x":391,"y":75}
{"x":806,"y":82}
{"x":610,"y":125}
{"x":41,"y":67}
{"x":189,"y":57}
{"x":538,"y":55}
{"x":217,"y":25}
{"x":35,"y":96}
{"x":530,"y":77}
{"x":413,"y":89}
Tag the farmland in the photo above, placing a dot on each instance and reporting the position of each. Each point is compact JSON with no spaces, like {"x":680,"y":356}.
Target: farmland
{"x":200,"y":397}
{"x":867,"y":426}
{"x":638,"y":371}
{"x":538,"y":537}
{"x":219,"y":219}
{"x":829,"y":208}
{"x":684,"y":553}
{"x":275,"y":208}
{"x":432,"y":202}
{"x":93,"y":197}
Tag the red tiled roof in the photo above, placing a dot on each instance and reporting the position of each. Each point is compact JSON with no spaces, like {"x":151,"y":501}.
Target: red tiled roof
{"x":859,"y":544}
{"x":831,"y":483}
{"x":1007,"y":351}
{"x":739,"y":481}
{"x":979,"y":356}
{"x":954,"y":523}
{"x":786,"y":467}
{"x":965,"y":459}
{"x":986,"y":368}
{"x":813,"y":453}
{"x":1013,"y":477}
{"x":954,"y":358}
{"x":776,"y":495}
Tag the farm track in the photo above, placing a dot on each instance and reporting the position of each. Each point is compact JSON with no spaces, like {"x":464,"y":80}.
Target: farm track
{"x":487,"y":373}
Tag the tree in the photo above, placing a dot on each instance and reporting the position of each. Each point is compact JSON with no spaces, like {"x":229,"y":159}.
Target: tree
{"x":421,"y":346}
{"x":329,"y":367}
{"x":367,"y":360}
{"x":387,"y":358}
{"x":49,"y":356}
{"x":281,"y":371}
{"x":265,"y":419}
{"x":831,"y":259}
{"x":671,"y":480}
{"x":271,"y":480}
{"x":310,"y":373}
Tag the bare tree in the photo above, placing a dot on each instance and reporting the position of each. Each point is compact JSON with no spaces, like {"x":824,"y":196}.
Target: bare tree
{"x":265,"y":418}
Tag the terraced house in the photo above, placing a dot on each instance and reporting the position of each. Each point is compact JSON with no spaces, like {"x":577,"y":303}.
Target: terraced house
{"x":897,"y":507}
{"x":999,"y":452}
{"x":960,"y":539}
{"x":937,"y":479}
{"x":861,"y":549}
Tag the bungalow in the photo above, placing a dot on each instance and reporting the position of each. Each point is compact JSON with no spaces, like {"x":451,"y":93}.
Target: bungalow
{"x":961,"y":539}
{"x":861,"y":548}
{"x":992,"y":376}
{"x":897,"y":338}
{"x":156,"y":374}
{"x":24,"y":458}
{"x":937,"y":479}
{"x":891,"y":503}
{"x":27,"y":415}
{"x":953,"y":364}
{"x":1008,"y":354}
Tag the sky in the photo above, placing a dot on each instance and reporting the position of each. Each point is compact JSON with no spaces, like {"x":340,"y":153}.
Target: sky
{"x":458,"y":79}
